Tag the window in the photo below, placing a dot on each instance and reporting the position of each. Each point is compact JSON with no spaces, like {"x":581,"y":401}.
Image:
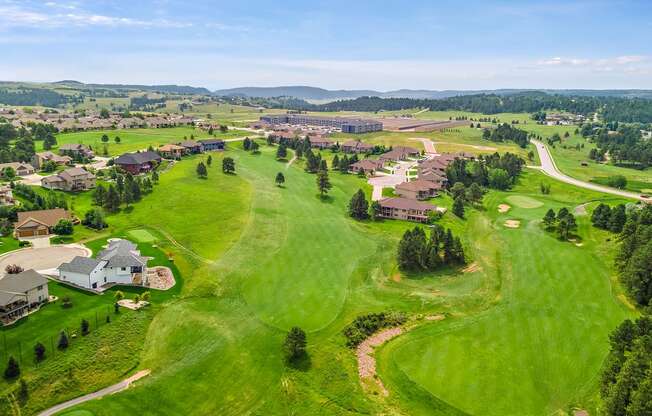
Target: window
{"x":40,"y":287}
{"x":123,"y":269}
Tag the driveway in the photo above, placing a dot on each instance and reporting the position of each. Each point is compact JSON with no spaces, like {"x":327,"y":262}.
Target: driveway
{"x":33,"y":179}
{"x":44,"y":258}
{"x":549,"y":167}
{"x":98,"y":163}
{"x":389,"y":180}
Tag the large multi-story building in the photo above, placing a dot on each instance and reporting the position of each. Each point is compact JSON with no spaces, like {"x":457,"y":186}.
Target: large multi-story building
{"x":347,"y":125}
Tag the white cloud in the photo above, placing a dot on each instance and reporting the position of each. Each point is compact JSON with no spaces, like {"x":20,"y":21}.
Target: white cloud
{"x":12,"y":15}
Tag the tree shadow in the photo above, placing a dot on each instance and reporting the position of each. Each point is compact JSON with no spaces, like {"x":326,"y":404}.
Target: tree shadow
{"x":301,"y":363}
{"x":326,"y":198}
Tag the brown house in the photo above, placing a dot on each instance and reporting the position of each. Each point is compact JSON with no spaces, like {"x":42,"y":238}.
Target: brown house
{"x":400,"y":153}
{"x":20,"y":168}
{"x":418,"y":189}
{"x":171,"y":151}
{"x":191,"y":147}
{"x":406,"y":209}
{"x":71,"y":149}
{"x":39,"y":158}
{"x":73,"y":179}
{"x":320,"y":142}
{"x":355,"y":146}
{"x":39,"y":223}
{"x":368,"y":166}
{"x":138,"y":162}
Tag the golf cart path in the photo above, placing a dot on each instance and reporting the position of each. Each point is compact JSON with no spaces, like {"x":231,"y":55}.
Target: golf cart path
{"x":98,"y":394}
{"x":549,"y":167}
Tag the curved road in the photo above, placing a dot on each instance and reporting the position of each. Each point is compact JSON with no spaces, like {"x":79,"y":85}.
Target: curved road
{"x":549,"y":168}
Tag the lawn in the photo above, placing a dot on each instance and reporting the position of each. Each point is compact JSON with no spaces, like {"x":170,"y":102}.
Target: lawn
{"x":526,"y":328}
{"x":541,"y":347}
{"x":132,"y":140}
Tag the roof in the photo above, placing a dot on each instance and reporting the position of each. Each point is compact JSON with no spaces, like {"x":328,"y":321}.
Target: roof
{"x":49,"y":217}
{"x":418,"y":185}
{"x":73,"y":146}
{"x":71,"y":173}
{"x":83,"y":265}
{"x":189,"y":143}
{"x":211,"y":141}
{"x":11,"y":284}
{"x":122,"y":253}
{"x":137,"y":158}
{"x":170,"y":148}
{"x":367,"y":164}
{"x":16,"y":166}
{"x":405,"y":203}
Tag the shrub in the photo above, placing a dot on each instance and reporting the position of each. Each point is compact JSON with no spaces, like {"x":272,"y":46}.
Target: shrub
{"x":13,"y":369}
{"x":364,"y":326}
{"x":63,"y":227}
{"x":39,"y":352}
{"x":63,"y":341}
{"x":85,"y":327}
{"x":67,"y":302}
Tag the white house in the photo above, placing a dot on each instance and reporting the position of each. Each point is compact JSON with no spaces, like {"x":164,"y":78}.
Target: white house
{"x":119,"y":263}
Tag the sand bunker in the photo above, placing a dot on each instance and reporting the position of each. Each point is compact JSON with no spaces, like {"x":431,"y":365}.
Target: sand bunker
{"x":512,"y":223}
{"x":502,"y":208}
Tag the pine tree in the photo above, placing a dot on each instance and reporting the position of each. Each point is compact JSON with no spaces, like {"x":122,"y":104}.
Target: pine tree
{"x":549,"y":219}
{"x":335,"y":163}
{"x":374,"y":210}
{"x":112,"y":200}
{"x":344,"y":164}
{"x":13,"y":369}
{"x":280,"y":179}
{"x":281,"y":152}
{"x":228,"y":165}
{"x":63,"y":341}
{"x":246,"y":143}
{"x":99,"y":195}
{"x":202,"y":172}
{"x":39,"y":352}
{"x":458,"y":206}
{"x":358,"y":206}
{"x":448,"y":247}
{"x":323,"y":183}
{"x":155,"y":177}
{"x":84,"y":327}
{"x":295,"y":344}
{"x":209,"y":160}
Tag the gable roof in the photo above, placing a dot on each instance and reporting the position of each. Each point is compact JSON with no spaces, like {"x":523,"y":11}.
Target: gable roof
{"x":48,"y":217}
{"x":83,"y":265}
{"x":405,"y":203}
{"x":211,"y":141}
{"x":189,"y":143}
{"x":170,"y":148}
{"x":418,"y":185}
{"x":13,"y":284}
{"x":122,"y":253}
{"x":137,"y":158}
{"x":72,"y":173}
{"x":73,"y":146}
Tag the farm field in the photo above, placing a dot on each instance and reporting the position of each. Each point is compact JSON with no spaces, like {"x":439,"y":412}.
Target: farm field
{"x":132,"y":140}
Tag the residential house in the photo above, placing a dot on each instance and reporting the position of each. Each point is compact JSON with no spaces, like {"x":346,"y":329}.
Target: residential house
{"x":138,"y":162}
{"x":119,"y":263}
{"x":356,"y":146}
{"x":191,"y":147}
{"x":6,"y":195}
{"x":418,"y":189}
{"x":76,"y":150}
{"x":20,"y":168}
{"x":320,"y":142}
{"x":72,"y":180}
{"x":20,"y":293}
{"x":39,"y":158}
{"x":130,"y":123}
{"x":209,"y":145}
{"x":406,"y":209}
{"x":39,"y":223}
{"x":368,"y":166}
{"x":400,"y":153}
{"x":171,"y":151}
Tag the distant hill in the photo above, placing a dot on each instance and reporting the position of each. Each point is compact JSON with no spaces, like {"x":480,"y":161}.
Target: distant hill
{"x":321,"y":94}
{"x":170,"y":89}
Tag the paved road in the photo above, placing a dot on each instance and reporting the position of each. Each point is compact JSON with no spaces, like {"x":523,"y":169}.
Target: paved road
{"x":98,"y":394}
{"x":549,"y":167}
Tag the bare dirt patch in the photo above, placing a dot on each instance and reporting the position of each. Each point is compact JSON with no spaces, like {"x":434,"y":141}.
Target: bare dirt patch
{"x":130,"y":304}
{"x":502,"y":208}
{"x":366,"y":359}
{"x":581,"y":209}
{"x":160,"y":278}
{"x":473,"y":267}
{"x":512,"y":223}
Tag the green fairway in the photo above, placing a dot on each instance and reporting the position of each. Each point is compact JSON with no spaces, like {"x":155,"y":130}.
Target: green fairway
{"x":526,"y":329}
{"x":142,"y":235}
{"x":132,"y":140}
{"x":523,"y":201}
{"x":541,"y":347}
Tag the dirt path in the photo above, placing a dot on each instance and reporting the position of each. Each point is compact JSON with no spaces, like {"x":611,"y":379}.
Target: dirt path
{"x":365,"y":352}
{"x":428,"y":144}
{"x":124,"y":384}
{"x":290,"y":162}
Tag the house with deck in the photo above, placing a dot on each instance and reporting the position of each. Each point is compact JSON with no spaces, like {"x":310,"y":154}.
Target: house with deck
{"x":368,"y":166}
{"x":418,"y":189}
{"x":171,"y":151}
{"x":139,"y":162}
{"x":39,"y":158}
{"x":21,"y":293}
{"x":119,"y":263}
{"x":407,"y":209}
{"x":191,"y":147}
{"x":210,"y":145}
{"x":76,"y":151}
{"x":71,"y":180}
{"x":356,"y":146}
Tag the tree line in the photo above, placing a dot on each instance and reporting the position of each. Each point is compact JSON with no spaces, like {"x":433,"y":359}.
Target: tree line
{"x":493,"y":171}
{"x":38,"y":97}
{"x":419,"y":252}
{"x":612,"y":108}
{"x":505,"y":132}
{"x":634,"y":254}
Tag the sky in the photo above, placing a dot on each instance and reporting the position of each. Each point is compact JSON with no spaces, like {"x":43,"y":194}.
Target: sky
{"x":354,"y":44}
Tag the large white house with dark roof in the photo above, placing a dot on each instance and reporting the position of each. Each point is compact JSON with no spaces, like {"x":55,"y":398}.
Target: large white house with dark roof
{"x":119,"y":263}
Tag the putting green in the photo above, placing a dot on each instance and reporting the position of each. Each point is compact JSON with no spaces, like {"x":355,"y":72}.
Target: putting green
{"x":142,"y":236}
{"x":524,"y":201}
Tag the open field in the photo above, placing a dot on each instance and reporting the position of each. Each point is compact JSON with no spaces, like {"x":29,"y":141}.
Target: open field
{"x":132,"y":140}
